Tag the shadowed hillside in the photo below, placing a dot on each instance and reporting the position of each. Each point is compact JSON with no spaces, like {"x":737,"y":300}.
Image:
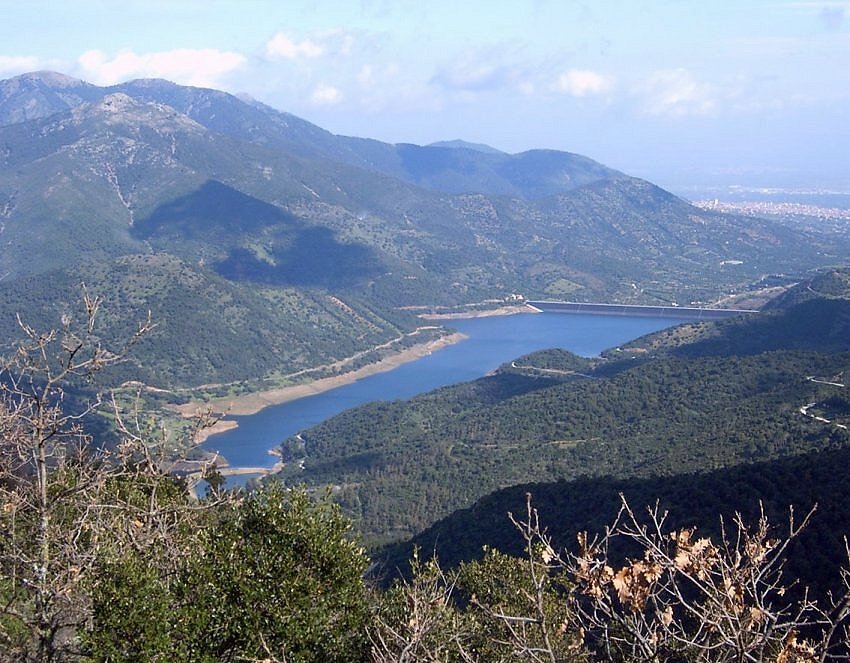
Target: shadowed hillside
{"x":693,"y":499}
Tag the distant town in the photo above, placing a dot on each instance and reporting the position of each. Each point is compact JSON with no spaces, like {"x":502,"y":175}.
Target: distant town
{"x":783,"y":209}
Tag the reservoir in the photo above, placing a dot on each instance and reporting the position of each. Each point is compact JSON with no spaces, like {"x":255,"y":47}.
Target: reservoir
{"x":491,"y":342}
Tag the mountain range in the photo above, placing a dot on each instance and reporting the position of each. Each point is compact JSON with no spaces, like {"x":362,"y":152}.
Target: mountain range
{"x":266,"y":249}
{"x":264,"y":245}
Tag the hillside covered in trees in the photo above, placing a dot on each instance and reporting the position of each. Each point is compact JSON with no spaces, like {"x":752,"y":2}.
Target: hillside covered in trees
{"x":265,"y":247}
{"x":746,"y":390}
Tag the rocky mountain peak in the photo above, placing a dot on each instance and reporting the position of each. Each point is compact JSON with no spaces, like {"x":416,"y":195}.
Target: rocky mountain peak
{"x":121,"y":108}
{"x":51,"y":79}
{"x":39,"y":94}
{"x":117,"y":102}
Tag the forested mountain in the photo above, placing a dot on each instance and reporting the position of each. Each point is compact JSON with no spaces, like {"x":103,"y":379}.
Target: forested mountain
{"x":743,"y":390}
{"x":833,"y":283}
{"x":454,"y":167}
{"x":300,"y":227}
{"x":813,"y":314}
{"x":256,"y":328}
{"x":105,"y":556}
{"x":693,"y":499}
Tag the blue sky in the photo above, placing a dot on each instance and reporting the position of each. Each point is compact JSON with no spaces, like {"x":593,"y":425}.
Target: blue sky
{"x":681,"y":92}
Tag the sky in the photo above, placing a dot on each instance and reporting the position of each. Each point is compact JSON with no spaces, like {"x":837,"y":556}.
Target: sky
{"x":686,"y":93}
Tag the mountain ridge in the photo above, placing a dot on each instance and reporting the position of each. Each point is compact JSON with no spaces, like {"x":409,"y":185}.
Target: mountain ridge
{"x":568,"y":507}
{"x":257,"y":122}
{"x":266,"y":200}
{"x":458,"y":143}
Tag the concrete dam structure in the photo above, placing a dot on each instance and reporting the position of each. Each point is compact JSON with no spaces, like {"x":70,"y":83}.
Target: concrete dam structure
{"x":681,"y":312}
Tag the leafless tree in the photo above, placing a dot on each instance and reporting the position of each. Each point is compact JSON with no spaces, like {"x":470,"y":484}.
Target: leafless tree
{"x":689,"y":598}
{"x":679,"y":598}
{"x":64,"y":503}
{"x":416,"y":620}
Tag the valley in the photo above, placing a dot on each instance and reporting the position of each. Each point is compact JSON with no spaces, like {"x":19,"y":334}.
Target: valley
{"x":483,"y":344}
{"x":278,"y":260}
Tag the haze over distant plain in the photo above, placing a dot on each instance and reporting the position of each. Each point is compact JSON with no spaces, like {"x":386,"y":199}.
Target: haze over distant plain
{"x":685,"y":94}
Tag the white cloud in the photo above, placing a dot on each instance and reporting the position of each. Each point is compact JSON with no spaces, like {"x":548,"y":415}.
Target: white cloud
{"x":366,"y":75}
{"x":202,"y":67}
{"x":675,"y":93}
{"x":326,"y":95}
{"x":281,"y":46}
{"x":527,"y":88}
{"x":583,"y":82}
{"x":472,"y":76}
{"x":11,"y":65}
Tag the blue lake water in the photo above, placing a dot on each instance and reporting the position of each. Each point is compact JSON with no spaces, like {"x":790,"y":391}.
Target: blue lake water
{"x":492,"y":342}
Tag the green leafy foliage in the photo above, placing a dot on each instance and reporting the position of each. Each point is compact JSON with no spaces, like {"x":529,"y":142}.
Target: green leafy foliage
{"x":132,"y":607}
{"x":277,"y":575}
{"x":281,"y":577}
{"x":499,"y":585}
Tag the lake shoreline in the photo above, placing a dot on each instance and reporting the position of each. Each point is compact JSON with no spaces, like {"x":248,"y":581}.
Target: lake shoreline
{"x":253,"y":402}
{"x":492,"y":341}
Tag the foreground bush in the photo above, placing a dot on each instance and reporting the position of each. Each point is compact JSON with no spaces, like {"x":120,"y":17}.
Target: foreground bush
{"x":678,"y":597}
{"x":276,"y":577}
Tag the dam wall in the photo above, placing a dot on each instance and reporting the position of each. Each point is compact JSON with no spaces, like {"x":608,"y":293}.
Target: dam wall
{"x":680,"y":312}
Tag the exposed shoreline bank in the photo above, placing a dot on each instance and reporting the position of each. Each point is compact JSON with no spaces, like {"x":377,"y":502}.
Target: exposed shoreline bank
{"x":484,"y":313}
{"x":251,"y":403}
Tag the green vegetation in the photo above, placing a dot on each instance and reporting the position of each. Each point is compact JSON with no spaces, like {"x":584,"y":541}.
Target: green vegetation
{"x":832,"y":283}
{"x":267,"y":250}
{"x":106,"y":557}
{"x":276,"y":572}
{"x":568,"y":507}
{"x":257,"y":330}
